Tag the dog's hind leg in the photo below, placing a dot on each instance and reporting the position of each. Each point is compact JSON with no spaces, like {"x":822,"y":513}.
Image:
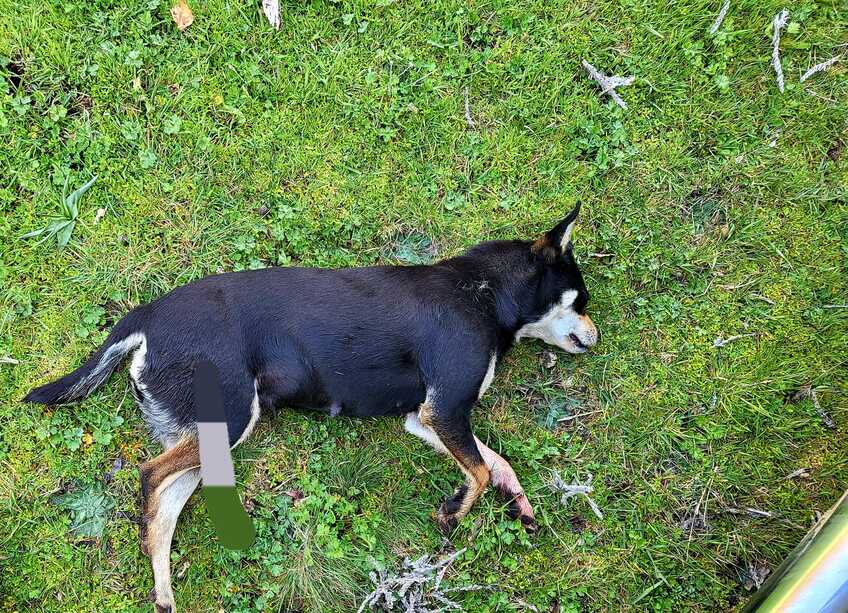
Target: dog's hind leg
{"x":159,"y":472}
{"x":171,"y":500}
{"x":167,"y":482}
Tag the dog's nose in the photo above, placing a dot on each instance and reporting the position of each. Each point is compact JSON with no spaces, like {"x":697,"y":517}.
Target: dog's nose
{"x":590,"y":335}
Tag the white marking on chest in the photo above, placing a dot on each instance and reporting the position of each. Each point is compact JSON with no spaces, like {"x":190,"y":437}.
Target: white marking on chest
{"x":490,"y":375}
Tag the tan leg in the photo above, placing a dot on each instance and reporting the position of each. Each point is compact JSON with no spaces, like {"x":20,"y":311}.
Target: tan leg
{"x":503,"y":477}
{"x":171,"y":498}
{"x":467,"y":458}
{"x":159,"y":472}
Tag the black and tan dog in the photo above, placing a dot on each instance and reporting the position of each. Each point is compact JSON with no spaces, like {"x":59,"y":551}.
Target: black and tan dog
{"x":419,"y":341}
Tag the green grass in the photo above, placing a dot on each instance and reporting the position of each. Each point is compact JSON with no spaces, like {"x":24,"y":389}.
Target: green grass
{"x":341,"y":140}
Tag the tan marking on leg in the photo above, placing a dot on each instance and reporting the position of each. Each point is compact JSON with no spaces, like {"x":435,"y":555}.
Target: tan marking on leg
{"x":477,"y":479}
{"x":184,"y":455}
{"x":171,"y":498}
{"x":163,"y":470}
{"x":505,"y":480}
{"x":476,"y":475}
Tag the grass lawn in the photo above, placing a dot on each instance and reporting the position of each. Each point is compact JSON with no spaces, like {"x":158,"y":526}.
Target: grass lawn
{"x":714,"y":207}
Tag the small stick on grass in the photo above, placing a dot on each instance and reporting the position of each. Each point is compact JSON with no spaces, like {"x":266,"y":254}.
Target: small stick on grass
{"x":608,"y":84}
{"x":720,"y":18}
{"x":747,"y":511}
{"x":826,"y":419}
{"x":573,"y":489}
{"x":808,"y":392}
{"x":821,"y":67}
{"x":416,"y":587}
{"x":801,"y":473}
{"x":780,"y":20}
{"x":721,"y":342}
{"x":468,"y":119}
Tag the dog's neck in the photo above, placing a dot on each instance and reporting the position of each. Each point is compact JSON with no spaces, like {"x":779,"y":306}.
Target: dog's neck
{"x":508,"y":283}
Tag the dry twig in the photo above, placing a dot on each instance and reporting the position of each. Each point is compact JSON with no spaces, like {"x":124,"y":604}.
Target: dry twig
{"x":720,"y":18}
{"x":721,"y":342}
{"x":803,"y":473}
{"x":271,"y":8}
{"x":820,"y":67}
{"x":780,"y":20}
{"x":608,"y":84}
{"x":573,"y":489}
{"x":416,"y":588}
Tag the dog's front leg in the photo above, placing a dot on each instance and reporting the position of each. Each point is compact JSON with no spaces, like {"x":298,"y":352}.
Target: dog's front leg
{"x":449,"y":432}
{"x":505,"y":481}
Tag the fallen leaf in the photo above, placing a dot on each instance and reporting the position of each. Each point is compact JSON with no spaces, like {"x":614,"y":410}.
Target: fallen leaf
{"x":271,"y":8}
{"x":182,"y":15}
{"x":89,"y":508}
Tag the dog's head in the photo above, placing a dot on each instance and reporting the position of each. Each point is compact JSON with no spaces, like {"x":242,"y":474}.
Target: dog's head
{"x":558,"y":315}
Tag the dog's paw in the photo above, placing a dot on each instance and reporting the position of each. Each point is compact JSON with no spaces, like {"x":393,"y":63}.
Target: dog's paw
{"x":518,"y":507}
{"x":159,"y":605}
{"x":529,"y":523}
{"x":447,"y":522}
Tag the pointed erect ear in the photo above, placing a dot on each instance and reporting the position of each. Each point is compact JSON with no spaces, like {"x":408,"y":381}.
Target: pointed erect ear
{"x":553,"y":243}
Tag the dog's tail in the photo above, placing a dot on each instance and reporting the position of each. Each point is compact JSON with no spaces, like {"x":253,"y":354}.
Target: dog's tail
{"x":124,"y":338}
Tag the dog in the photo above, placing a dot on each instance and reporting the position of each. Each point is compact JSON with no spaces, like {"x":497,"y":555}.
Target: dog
{"x":415,"y":341}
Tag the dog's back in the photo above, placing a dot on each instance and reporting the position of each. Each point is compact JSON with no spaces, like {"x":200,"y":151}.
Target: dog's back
{"x":352,"y":341}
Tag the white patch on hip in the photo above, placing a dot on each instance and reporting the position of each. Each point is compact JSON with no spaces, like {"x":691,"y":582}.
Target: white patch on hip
{"x":254,"y":416}
{"x":159,"y":418}
{"x":490,"y":375}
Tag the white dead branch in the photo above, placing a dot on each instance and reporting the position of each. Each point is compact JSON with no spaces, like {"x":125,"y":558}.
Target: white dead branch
{"x":573,"y":489}
{"x":779,"y":22}
{"x":820,"y":67}
{"x":748,"y":511}
{"x":801,"y":473}
{"x":721,"y":342}
{"x":416,"y":588}
{"x":608,"y":84}
{"x":720,"y":18}
{"x":271,"y":8}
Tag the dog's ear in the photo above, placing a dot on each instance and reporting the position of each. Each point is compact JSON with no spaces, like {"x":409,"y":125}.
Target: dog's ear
{"x":556,"y":241}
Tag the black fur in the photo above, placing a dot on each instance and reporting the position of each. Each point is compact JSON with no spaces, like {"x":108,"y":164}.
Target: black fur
{"x":359,"y":342}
